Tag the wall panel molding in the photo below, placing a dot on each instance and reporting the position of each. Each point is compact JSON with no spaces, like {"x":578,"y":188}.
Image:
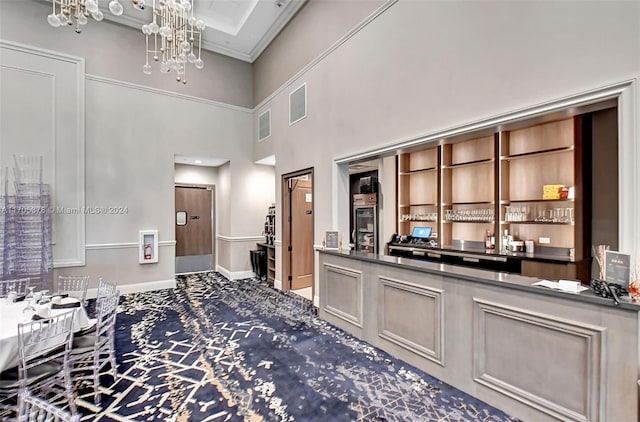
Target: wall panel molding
{"x":516,"y":366}
{"x":416,"y":299}
{"x":65,"y":158}
{"x":344,"y":294}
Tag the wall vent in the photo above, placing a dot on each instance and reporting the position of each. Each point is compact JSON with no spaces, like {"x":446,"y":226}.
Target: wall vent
{"x":298,"y":104}
{"x":264,"y":123}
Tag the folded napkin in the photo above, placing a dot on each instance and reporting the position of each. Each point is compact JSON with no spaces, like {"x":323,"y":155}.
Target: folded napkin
{"x":65,"y":305}
{"x":37,"y":317}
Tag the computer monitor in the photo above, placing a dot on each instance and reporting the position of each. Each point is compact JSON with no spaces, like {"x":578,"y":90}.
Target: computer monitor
{"x":421,"y":233}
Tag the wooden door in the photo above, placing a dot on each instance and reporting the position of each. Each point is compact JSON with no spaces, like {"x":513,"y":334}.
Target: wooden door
{"x":193,"y":237}
{"x":301,"y":234}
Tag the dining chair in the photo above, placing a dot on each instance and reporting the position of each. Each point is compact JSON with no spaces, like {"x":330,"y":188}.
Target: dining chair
{"x":44,"y":366}
{"x":18,"y":285}
{"x":74,"y":286}
{"x":34,"y":409}
{"x":93,"y":355}
{"x":106,"y":288}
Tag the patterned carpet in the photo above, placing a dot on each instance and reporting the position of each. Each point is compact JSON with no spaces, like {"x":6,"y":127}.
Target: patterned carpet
{"x":216,"y":350}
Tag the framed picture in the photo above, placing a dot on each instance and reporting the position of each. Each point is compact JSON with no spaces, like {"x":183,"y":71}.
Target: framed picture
{"x":332,"y":241}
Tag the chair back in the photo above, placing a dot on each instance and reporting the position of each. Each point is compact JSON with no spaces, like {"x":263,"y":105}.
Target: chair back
{"x":106,"y":312}
{"x":18,"y":285}
{"x":106,"y":288}
{"x":34,"y":409}
{"x":42,"y":341}
{"x":74,"y":286}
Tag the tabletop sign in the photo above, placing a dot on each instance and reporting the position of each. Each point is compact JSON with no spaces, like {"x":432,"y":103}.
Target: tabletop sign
{"x":331,"y":240}
{"x":617,"y":268}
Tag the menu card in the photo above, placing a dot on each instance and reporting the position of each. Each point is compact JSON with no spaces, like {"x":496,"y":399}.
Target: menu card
{"x":331,"y":240}
{"x":617,"y":268}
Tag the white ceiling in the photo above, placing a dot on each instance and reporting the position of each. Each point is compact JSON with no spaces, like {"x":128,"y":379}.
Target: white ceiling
{"x":200,"y":161}
{"x":237,"y":28}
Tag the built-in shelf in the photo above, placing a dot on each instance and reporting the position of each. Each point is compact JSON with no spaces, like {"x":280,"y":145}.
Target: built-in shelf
{"x":538,"y":201}
{"x":473,"y":203}
{"x":468,"y":163}
{"x":419,"y":171}
{"x":539,"y":153}
{"x":417,"y":219}
{"x":468,"y":222}
{"x":539,"y":222}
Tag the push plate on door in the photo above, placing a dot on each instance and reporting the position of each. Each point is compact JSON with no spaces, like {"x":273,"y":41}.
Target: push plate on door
{"x":181,"y":218}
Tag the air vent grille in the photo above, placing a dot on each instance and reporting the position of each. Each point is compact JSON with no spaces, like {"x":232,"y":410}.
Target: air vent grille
{"x":264,"y":123}
{"x":298,"y":104}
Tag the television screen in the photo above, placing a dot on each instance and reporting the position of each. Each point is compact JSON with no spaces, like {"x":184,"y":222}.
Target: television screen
{"x":421,"y":232}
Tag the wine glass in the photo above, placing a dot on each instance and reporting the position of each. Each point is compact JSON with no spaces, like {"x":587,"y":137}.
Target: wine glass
{"x":30,"y":294}
{"x":29,"y":310}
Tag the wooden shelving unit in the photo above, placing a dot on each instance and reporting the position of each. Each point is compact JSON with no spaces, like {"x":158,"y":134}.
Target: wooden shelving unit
{"x":417,"y":189}
{"x":467,"y":192}
{"x":268,"y":246}
{"x":531,"y":158}
{"x":494,"y":183}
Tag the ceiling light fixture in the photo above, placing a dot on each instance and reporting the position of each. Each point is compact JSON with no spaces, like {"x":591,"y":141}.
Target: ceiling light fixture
{"x":68,"y":12}
{"x":176,"y":34}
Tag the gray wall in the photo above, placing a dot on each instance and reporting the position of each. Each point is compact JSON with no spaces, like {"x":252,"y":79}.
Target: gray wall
{"x":316,"y":26}
{"x":424,"y":67}
{"x":132,"y":133}
{"x":195,"y":175}
{"x":117,"y":52}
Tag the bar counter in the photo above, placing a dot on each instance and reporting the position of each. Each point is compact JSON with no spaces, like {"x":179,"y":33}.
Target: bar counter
{"x":536,"y":353}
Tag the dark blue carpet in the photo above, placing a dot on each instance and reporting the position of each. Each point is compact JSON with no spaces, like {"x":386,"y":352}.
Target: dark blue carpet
{"x":219,"y":350}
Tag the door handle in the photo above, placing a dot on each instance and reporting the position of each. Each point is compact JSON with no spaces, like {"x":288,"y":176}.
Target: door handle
{"x":309,"y":212}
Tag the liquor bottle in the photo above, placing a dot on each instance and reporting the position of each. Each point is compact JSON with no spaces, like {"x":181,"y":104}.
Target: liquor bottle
{"x":490,"y":241}
{"x":505,"y":241}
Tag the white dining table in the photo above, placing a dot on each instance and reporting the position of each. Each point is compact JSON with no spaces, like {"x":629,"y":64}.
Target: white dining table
{"x":11,"y":315}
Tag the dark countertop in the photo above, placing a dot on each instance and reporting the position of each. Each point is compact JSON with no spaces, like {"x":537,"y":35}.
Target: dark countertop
{"x":495,"y":278}
{"x":538,"y":256}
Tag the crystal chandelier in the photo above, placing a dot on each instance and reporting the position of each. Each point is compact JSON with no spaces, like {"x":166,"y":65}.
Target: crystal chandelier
{"x":70,"y":12}
{"x":176,"y":35}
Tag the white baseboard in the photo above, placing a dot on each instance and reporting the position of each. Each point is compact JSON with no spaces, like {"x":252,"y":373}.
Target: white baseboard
{"x":316,"y":301}
{"x":277,"y":284}
{"x":234,"y":275}
{"x":138,"y":287}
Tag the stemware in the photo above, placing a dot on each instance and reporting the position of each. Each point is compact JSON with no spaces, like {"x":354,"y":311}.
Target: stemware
{"x":29,"y":310}
{"x":30,"y":294}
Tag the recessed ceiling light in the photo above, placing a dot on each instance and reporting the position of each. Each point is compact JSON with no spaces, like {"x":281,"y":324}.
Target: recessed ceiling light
{"x":198,"y":161}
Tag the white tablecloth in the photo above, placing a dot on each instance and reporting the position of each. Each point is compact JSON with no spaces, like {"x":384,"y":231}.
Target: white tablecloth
{"x":11,"y":315}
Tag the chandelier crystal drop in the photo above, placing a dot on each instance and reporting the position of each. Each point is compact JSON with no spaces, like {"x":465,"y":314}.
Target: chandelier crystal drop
{"x":175,"y":35}
{"x":76,"y":12}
